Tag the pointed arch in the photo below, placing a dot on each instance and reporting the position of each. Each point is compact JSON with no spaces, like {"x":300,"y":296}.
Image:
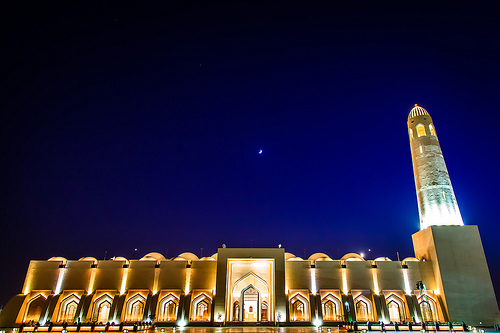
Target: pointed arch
{"x":364,"y":310}
{"x":396,"y":308}
{"x":428,"y":307}
{"x":102,"y":306}
{"x":250,"y":278}
{"x":168,"y":307}
{"x":201,"y":307}
{"x":135,"y":308}
{"x":67,"y":310}
{"x":331,"y":306}
{"x":299,"y":308}
{"x":236,"y":311}
{"x":264,"y":311}
{"x":34,"y":308}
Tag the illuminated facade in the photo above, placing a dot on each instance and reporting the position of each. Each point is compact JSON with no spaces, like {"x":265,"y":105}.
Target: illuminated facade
{"x":448,"y":280}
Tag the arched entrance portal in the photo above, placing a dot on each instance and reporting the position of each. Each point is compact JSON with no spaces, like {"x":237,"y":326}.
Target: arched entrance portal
{"x":250,"y":298}
{"x":250,"y":290}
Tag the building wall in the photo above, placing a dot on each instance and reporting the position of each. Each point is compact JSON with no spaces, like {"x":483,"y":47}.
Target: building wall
{"x":461,"y":272}
{"x":311,"y":291}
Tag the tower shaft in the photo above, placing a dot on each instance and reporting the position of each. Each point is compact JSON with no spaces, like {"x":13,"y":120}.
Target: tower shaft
{"x":437,"y":204}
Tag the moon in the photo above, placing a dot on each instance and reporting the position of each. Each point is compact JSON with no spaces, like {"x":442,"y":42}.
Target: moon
{"x":260,"y":151}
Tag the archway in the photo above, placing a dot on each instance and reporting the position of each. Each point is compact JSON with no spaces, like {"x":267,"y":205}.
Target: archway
{"x":35,"y":308}
{"x":250,"y":297}
{"x":299,"y":308}
{"x":68,"y":308}
{"x":331,"y":308}
{"x":135,"y":308}
{"x":250,"y":300}
{"x":363,"y":308}
{"x":168,"y":308}
{"x":395,"y":306}
{"x":102,"y":306}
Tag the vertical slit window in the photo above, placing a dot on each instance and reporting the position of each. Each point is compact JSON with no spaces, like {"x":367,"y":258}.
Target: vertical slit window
{"x":432,"y":130}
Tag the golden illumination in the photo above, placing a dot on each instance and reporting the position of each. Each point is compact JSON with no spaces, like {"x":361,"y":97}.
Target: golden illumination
{"x":345,"y":290}
{"x":376,"y":288}
{"x":188,"y":281}
{"x":314,"y":288}
{"x":124,"y":281}
{"x":432,"y":130}
{"x":420,"y":130}
{"x":60,"y":279}
{"x":406,"y":282}
{"x":90,"y":289}
{"x":155,"y":282}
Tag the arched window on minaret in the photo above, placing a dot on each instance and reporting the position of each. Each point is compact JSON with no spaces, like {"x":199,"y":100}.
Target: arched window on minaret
{"x":433,"y":131}
{"x":410,"y":133}
{"x":420,"y":130}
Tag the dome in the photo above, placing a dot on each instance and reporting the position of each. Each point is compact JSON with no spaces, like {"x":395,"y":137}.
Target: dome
{"x":153,"y":256}
{"x":318,"y":256}
{"x":352,"y":257}
{"x":417,"y":111}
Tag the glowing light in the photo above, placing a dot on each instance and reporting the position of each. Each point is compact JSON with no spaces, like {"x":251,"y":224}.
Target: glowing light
{"x":376,"y":288}
{"x":27,"y":285}
{"x":181,"y":323}
{"x":314,"y":288}
{"x":436,"y":291}
{"x":446,"y":213}
{"x":260,"y":151}
{"x":124,"y":281}
{"x":344,"y":282}
{"x":59,"y":281}
{"x":93,"y":273}
{"x":362,"y":254}
{"x":155,"y":282}
{"x":407,"y":282}
{"x":317,"y":322}
{"x":188,"y":281}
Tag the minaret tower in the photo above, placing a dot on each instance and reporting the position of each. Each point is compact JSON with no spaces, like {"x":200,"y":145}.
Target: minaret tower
{"x":437,"y":204}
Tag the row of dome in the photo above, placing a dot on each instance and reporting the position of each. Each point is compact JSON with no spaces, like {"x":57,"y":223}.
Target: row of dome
{"x":188,"y":256}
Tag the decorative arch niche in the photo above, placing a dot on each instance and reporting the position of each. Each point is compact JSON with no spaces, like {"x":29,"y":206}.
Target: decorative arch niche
{"x":67,"y":310}
{"x":396,"y":308}
{"x":34,"y":308}
{"x":135,"y":308}
{"x":363,"y":306}
{"x":299,"y":308}
{"x":331,"y":306}
{"x":168,"y":307}
{"x":428,"y":307}
{"x":201,"y":307}
{"x":102,"y":306}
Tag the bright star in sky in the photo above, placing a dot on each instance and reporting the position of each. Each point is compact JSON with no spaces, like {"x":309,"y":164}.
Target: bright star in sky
{"x":260,"y":151}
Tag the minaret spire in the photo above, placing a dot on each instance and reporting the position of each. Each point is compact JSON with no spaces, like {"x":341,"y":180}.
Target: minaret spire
{"x":437,"y":204}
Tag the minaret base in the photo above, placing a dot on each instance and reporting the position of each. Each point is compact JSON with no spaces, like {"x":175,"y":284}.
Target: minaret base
{"x":460,"y":271}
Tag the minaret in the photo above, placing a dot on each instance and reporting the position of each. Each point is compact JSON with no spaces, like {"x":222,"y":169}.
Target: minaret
{"x":437,"y":204}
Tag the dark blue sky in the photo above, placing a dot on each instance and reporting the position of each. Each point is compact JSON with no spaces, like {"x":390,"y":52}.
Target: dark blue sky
{"x":128,"y":125}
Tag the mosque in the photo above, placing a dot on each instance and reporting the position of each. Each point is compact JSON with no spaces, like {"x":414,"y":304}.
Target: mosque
{"x":447,"y":281}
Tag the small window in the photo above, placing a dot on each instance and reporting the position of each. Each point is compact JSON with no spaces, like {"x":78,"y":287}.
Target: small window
{"x":421,"y":150}
{"x":420,"y":130}
{"x":410,"y":133}
{"x":432,"y":130}
{"x":444,"y":195}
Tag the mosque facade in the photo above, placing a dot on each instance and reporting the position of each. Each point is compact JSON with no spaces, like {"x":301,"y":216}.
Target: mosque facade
{"x":447,"y":281}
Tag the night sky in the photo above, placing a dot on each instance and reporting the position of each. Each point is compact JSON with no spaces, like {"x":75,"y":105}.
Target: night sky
{"x":138,"y":126}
